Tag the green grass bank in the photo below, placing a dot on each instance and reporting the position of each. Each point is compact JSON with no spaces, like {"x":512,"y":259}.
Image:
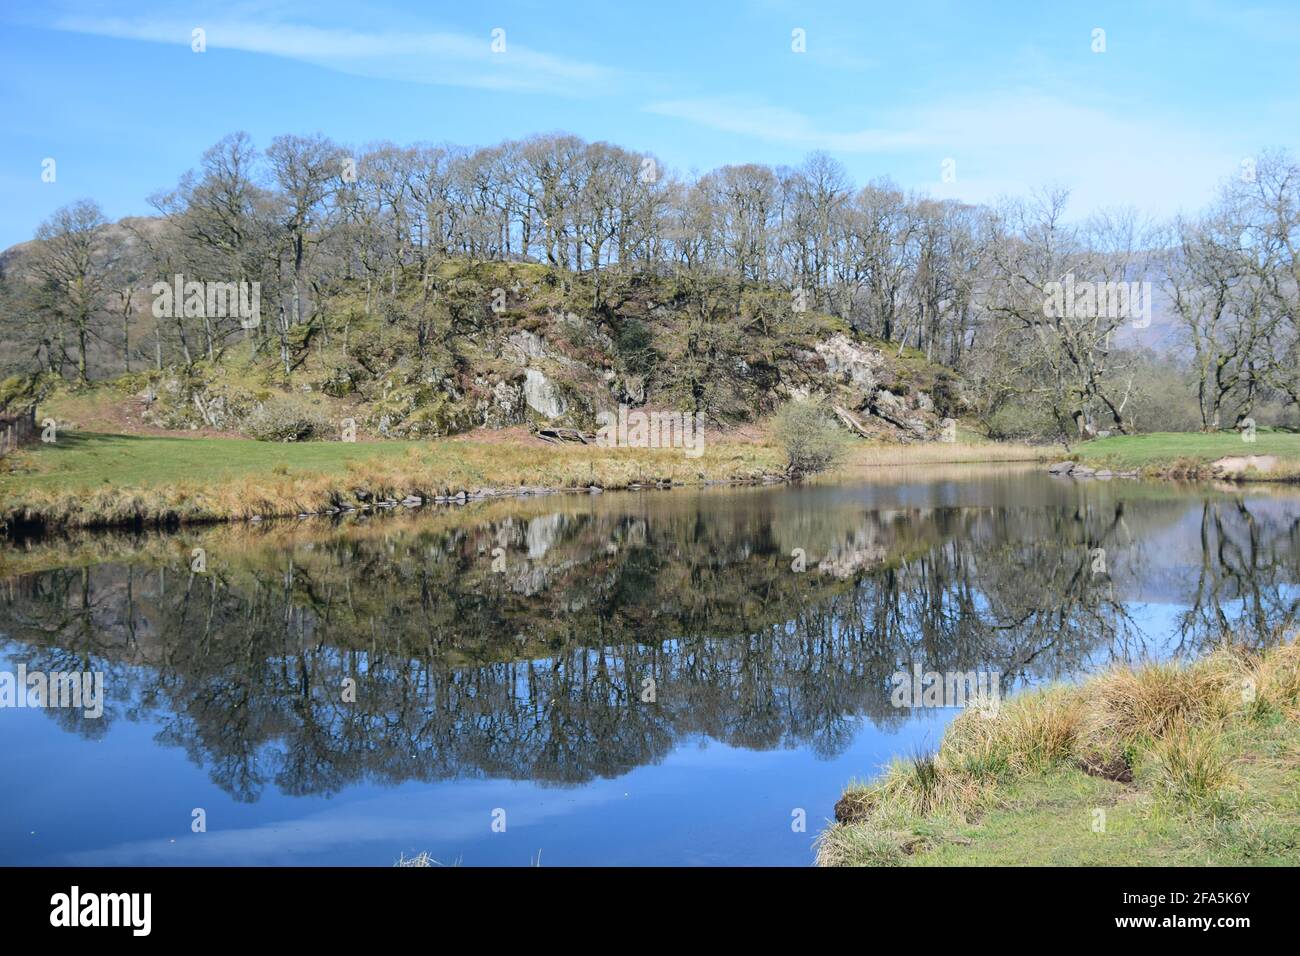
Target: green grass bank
{"x":1164,"y":765}
{"x":1193,"y":454}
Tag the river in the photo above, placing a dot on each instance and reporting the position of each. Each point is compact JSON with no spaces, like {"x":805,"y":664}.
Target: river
{"x":660,"y":677}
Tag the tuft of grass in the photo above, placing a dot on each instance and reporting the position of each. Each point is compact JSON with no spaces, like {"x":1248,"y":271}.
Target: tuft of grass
{"x":1130,"y":705}
{"x":1270,"y":685}
{"x":1192,"y":767}
{"x":1028,"y":733}
{"x":861,"y":846}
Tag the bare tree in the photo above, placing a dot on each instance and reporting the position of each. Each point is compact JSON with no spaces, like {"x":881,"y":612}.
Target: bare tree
{"x":72,"y":268}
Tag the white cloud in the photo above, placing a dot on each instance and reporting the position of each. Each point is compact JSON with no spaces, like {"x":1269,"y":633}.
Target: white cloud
{"x":444,"y":58}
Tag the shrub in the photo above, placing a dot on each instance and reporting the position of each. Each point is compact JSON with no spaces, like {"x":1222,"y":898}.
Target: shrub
{"x":1027,"y":420}
{"x":809,"y":435}
{"x":285,"y":419}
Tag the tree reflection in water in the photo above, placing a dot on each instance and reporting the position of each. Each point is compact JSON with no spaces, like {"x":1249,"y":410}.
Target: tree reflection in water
{"x":538,"y":671}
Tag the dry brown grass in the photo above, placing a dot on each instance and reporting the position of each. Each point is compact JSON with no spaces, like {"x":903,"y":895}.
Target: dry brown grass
{"x":1192,"y":766}
{"x":102,"y":482}
{"x":1126,"y":706}
{"x":1271,"y":684}
{"x":1028,"y":733}
{"x":938,"y":453}
{"x":437,"y":469}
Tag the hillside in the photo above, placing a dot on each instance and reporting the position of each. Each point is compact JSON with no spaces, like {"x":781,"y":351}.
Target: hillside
{"x":516,"y":344}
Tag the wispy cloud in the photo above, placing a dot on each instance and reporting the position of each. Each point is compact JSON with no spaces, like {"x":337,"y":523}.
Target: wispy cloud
{"x":776,"y":124}
{"x":1006,"y":143}
{"x":444,"y":58}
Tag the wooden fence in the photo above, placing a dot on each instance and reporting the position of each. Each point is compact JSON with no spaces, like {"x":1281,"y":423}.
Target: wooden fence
{"x":17,"y":428}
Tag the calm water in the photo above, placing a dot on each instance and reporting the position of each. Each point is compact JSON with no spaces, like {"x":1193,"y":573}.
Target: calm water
{"x":509,"y":683}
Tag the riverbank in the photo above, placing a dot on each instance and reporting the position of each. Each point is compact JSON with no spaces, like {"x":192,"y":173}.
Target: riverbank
{"x":1267,"y":456}
{"x":1157,"y":766}
{"x":88,"y":479}
{"x":96,"y":479}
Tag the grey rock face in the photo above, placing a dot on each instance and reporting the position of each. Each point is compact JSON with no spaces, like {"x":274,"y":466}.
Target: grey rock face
{"x":542,"y":396}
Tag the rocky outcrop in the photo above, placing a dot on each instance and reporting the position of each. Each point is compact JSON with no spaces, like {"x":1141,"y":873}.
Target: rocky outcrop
{"x":557,"y":356}
{"x":908,"y":416}
{"x":1078,"y":471}
{"x":850,"y":363}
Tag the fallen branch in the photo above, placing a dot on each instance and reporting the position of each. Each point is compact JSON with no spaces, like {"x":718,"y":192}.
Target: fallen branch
{"x":557,"y":436}
{"x":851,"y":421}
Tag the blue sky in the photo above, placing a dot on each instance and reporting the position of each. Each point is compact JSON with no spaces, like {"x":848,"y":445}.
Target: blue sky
{"x":1011,"y":92}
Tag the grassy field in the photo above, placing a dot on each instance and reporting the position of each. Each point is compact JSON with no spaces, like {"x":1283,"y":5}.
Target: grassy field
{"x":87,"y":459}
{"x":1182,"y":452}
{"x":1161,"y":766}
